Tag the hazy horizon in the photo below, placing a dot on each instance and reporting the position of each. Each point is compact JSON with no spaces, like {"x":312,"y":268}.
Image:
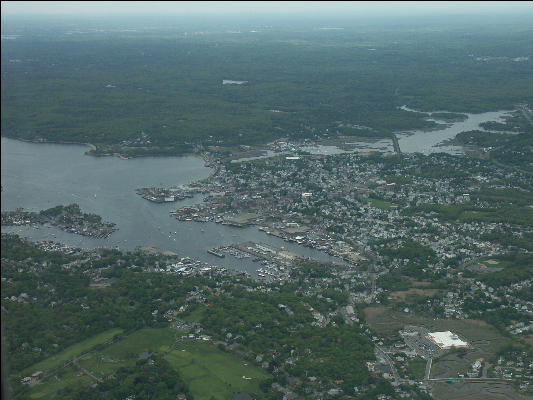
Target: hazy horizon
{"x":311,"y":9}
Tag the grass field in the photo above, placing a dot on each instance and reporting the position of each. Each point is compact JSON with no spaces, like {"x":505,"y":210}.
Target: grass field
{"x":213,"y":373}
{"x":73,"y":351}
{"x":416,"y":368}
{"x":208,"y":371}
{"x":384,"y":205}
{"x":67,"y":377}
{"x":125,"y":352}
{"x":475,"y":391}
{"x":412,"y":294}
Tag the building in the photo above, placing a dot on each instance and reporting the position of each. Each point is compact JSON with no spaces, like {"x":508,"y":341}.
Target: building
{"x":446,"y":340}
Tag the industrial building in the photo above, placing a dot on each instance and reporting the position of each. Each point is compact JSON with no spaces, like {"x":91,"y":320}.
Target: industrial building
{"x":446,"y":340}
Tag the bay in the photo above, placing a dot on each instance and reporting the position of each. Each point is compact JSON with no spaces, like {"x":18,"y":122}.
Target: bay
{"x":37,"y":176}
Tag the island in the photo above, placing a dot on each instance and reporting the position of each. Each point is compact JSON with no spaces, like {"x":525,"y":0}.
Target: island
{"x":67,"y":218}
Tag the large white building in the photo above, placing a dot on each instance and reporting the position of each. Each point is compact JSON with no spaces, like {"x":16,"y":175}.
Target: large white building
{"x":446,"y":340}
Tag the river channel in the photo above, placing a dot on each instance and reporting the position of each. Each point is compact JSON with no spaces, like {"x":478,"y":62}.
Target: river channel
{"x":39,"y":176}
{"x":426,"y":142}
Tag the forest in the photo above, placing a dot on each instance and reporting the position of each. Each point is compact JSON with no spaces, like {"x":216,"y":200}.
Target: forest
{"x":160,"y":91}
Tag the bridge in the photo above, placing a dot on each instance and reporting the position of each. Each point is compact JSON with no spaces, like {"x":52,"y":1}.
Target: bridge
{"x":396,"y":146}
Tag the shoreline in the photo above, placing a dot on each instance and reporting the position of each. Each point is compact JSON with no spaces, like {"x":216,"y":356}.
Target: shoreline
{"x":43,"y":141}
{"x":93,"y":147}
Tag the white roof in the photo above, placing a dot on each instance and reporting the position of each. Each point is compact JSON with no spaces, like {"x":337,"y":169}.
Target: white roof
{"x":447,"y":339}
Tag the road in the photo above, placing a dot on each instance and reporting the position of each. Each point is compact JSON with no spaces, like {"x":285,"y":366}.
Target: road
{"x":428,"y":369}
{"x":484,"y":380}
{"x":391,"y":365}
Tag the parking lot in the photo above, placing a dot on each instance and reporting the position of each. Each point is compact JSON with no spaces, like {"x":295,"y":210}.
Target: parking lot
{"x":416,"y":338}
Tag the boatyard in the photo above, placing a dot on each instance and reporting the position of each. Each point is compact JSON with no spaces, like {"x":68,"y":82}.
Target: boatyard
{"x":276,"y":264}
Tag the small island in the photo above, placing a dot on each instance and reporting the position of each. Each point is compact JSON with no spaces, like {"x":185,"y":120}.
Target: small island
{"x":67,"y":218}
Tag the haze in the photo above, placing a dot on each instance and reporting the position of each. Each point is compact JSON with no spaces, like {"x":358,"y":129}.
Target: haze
{"x":99,"y":8}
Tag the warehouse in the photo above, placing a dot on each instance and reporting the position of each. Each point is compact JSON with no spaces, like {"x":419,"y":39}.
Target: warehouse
{"x":446,"y":340}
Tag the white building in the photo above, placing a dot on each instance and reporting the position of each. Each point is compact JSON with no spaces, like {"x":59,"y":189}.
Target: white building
{"x":446,"y":340}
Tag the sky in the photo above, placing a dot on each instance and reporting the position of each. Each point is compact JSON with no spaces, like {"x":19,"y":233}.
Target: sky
{"x":342,"y":8}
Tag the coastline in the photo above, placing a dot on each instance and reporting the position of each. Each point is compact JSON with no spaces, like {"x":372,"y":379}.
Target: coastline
{"x":93,"y":147}
{"x":44,"y":141}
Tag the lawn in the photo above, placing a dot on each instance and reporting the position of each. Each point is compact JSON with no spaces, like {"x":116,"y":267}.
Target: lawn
{"x":213,"y":373}
{"x":73,"y":351}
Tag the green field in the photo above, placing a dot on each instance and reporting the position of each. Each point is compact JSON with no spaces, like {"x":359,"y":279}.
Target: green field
{"x":384,"y":205}
{"x":73,"y":351}
{"x":213,"y":373}
{"x":68,"y":376}
{"x":416,"y":368}
{"x":208,"y":371}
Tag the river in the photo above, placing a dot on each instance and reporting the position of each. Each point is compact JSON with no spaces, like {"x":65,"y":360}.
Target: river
{"x":426,"y":142}
{"x":37,"y":176}
{"x":417,"y":141}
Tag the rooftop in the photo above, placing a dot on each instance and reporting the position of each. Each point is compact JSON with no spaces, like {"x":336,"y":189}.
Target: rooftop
{"x":446,"y":340}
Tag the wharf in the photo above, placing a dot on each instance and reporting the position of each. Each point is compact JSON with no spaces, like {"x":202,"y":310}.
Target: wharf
{"x":216,"y":252}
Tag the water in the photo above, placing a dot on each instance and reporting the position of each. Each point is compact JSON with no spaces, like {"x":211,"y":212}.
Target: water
{"x":40,"y":176}
{"x":415,"y":141}
{"x":427,"y":142}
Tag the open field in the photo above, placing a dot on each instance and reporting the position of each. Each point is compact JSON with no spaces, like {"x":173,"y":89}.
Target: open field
{"x":384,"y":205}
{"x":420,"y":283}
{"x":213,"y":373}
{"x":479,"y":334}
{"x":73,"y":351}
{"x":407,"y":295}
{"x":67,"y":377}
{"x":207,"y":370}
{"x":484,"y":339}
{"x":416,"y":368}
{"x":125,"y":352}
{"x":475,"y":391}
{"x":388,"y":322}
